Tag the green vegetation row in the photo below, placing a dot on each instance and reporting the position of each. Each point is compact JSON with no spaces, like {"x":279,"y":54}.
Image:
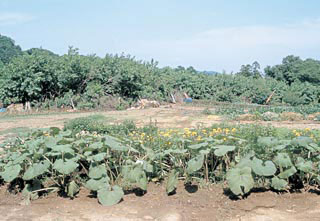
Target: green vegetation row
{"x":126,"y":158}
{"x":49,"y":80}
{"x":266,"y":112}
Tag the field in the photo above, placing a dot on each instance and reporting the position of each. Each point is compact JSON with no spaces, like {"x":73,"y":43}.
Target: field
{"x":192,"y":197}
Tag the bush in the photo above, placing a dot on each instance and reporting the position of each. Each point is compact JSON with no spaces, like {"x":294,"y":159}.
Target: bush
{"x":99,"y":124}
{"x":93,"y":123}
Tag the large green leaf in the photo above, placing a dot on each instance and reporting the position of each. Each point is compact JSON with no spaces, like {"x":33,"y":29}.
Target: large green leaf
{"x":114,"y":144}
{"x":97,"y":171}
{"x":263,"y":168}
{"x":148,"y":167}
{"x":268,"y":141}
{"x":50,"y":142}
{"x":278,"y":184}
{"x":287,"y":173}
{"x":96,"y":145}
{"x":222,"y":150}
{"x":246,"y":161}
{"x":174,"y":151}
{"x":97,"y":184}
{"x":66,"y":148}
{"x":135,"y":175}
{"x":35,"y":170}
{"x":283,"y":160}
{"x":66,"y":133}
{"x":109,"y":197}
{"x":10,"y":173}
{"x":301,"y":141}
{"x":195,"y":164}
{"x":65,"y":167}
{"x":240,"y":180}
{"x":20,"y":159}
{"x":305,"y":166}
{"x":314,"y":147}
{"x":172,"y":181}
{"x":96,"y":158}
{"x":198,"y":146}
{"x":142,"y":181}
{"x":279,"y":147}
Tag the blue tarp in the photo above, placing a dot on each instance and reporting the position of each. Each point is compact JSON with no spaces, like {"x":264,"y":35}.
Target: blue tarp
{"x":188,"y":100}
{"x":3,"y":110}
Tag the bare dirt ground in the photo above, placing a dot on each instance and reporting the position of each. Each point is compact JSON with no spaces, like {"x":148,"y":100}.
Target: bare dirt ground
{"x":166,"y":117}
{"x":208,"y":203}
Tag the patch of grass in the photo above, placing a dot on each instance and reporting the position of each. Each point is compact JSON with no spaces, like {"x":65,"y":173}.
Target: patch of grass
{"x":9,"y":117}
{"x":207,"y":111}
{"x":100,"y":124}
{"x":15,"y":131}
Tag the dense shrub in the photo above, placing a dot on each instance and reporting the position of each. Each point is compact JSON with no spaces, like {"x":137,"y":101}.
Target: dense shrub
{"x":39,"y":75}
{"x":99,"y":124}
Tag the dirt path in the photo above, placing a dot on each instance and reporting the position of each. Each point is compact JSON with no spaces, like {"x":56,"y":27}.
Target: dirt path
{"x":177,"y":117}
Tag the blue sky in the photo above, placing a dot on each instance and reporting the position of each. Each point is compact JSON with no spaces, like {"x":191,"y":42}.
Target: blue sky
{"x":207,"y":34}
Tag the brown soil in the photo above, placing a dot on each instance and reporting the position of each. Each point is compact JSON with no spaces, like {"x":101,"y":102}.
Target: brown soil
{"x":209,"y":203}
{"x":177,"y":117}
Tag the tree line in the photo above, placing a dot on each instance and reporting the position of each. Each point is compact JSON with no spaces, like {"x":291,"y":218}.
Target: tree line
{"x":46,"y":79}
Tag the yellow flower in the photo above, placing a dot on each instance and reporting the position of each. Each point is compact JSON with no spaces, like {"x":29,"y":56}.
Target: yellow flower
{"x":224,"y":139}
{"x":233,"y":130}
{"x":307,"y":129}
{"x":194,"y":133}
{"x":199,"y":138}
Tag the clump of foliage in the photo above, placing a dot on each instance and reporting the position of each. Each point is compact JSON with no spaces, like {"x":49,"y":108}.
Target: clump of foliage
{"x":99,"y":124}
{"x":8,"y":50}
{"x":40,"y":76}
{"x":93,"y":123}
{"x":107,"y":164}
{"x":264,"y":112}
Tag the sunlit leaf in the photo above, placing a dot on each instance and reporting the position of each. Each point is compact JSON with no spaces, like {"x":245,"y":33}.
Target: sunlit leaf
{"x":172,"y":181}
{"x":109,"y":197}
{"x":10,"y":173}
{"x":195,"y":164}
{"x":240,"y":180}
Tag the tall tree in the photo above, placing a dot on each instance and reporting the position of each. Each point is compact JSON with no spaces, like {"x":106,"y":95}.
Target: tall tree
{"x":250,"y":70}
{"x":295,"y":69}
{"x":8,"y":49}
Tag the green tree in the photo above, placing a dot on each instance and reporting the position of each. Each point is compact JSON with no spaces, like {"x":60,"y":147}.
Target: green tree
{"x":250,"y":70}
{"x":28,"y":78}
{"x":40,"y":51}
{"x":8,"y":49}
{"x":295,"y":69}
